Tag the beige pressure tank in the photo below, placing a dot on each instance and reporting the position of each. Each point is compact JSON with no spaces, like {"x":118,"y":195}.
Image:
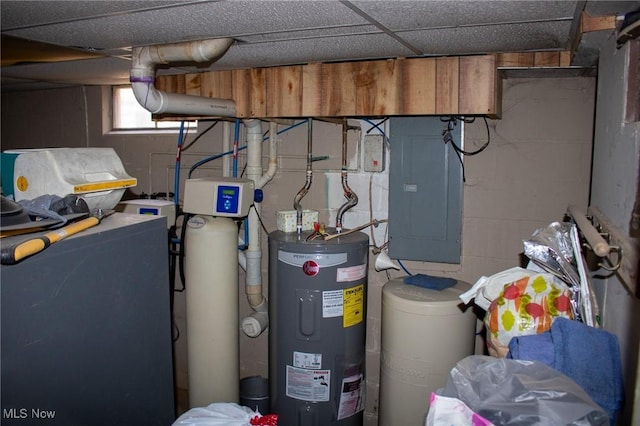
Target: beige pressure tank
{"x":424,"y":334}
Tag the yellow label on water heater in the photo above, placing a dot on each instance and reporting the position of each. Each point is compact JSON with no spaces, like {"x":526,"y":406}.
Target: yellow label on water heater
{"x":353,"y":306}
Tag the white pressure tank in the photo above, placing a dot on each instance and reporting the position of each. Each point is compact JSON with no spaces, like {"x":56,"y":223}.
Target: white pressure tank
{"x":425,"y":333}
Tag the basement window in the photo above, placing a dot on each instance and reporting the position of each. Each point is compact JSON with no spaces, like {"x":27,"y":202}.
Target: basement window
{"x":129,"y":115}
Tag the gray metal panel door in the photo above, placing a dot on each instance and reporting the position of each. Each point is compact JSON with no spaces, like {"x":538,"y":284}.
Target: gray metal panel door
{"x":425,"y":191}
{"x":86,"y":329}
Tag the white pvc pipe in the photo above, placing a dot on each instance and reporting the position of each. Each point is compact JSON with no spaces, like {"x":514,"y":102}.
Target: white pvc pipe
{"x":255,"y":324}
{"x":253,"y":285}
{"x":273,"y":156}
{"x":142,"y":77}
{"x":226,"y":146}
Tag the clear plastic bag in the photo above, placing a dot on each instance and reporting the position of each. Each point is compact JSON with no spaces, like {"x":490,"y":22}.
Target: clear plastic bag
{"x":517,"y":392}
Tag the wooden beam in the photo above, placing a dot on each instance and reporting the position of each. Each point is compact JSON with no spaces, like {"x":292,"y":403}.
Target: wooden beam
{"x":477,"y":98}
{"x":419,"y":87}
{"x":534,"y":59}
{"x":338,"y":90}
{"x":447,"y":85}
{"x":377,"y":88}
{"x":392,"y":87}
{"x":590,"y":23}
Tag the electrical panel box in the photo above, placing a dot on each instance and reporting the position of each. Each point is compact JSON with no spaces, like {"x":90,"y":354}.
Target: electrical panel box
{"x":425,"y":191}
{"x":374,"y":153}
{"x":225,"y":197}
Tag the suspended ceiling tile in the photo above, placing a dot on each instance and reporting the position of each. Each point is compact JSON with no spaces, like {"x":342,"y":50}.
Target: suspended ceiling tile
{"x":309,"y":50}
{"x":194,"y":22}
{"x":23,"y":13}
{"x":88,"y":71}
{"x":493,"y":38}
{"x":406,"y":15}
{"x":310,"y":33}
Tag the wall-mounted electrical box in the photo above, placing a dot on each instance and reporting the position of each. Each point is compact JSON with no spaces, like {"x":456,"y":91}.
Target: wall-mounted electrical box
{"x":226,"y":197}
{"x":425,"y":191}
{"x":374,"y":153}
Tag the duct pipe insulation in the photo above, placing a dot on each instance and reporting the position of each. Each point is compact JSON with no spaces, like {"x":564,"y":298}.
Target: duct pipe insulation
{"x":305,"y":189}
{"x":352,"y":198}
{"x":142,"y":77}
{"x":257,"y":322}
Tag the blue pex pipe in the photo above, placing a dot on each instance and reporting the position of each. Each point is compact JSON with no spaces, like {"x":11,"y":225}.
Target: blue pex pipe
{"x":176,"y":183}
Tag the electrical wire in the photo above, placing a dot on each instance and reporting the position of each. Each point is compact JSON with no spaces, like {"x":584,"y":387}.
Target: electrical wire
{"x":201,"y":134}
{"x":447,"y":137}
{"x":375,"y":126}
{"x":181,"y":254}
{"x":403,"y":267}
{"x":264,"y":228}
{"x":452,"y":123}
{"x":177,"y":166}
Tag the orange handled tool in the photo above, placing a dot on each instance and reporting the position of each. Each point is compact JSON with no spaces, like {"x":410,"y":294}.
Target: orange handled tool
{"x":13,"y":253}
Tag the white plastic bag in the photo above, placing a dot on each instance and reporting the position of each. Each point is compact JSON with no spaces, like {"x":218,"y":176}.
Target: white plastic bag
{"x":217,"y":414}
{"x":451,"y":411}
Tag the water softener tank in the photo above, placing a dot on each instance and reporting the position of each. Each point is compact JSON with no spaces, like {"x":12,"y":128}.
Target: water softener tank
{"x":211,"y":272}
{"x":424,"y":334}
{"x":317,"y":309}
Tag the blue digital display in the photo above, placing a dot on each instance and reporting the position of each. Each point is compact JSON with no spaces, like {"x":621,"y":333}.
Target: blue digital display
{"x":148,"y":210}
{"x":228,"y":199}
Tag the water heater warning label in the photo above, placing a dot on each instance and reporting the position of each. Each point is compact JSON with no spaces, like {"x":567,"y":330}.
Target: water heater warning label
{"x":307,"y":360}
{"x":353,"y":306}
{"x":352,"y":273}
{"x":351,"y":396}
{"x":347,"y":303}
{"x":332,"y":302}
{"x":308,"y":385}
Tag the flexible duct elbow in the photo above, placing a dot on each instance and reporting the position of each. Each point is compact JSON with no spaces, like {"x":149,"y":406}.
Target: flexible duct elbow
{"x":142,"y":78}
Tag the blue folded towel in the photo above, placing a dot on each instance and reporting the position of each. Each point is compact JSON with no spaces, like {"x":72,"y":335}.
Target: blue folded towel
{"x":539,"y":348}
{"x":589,"y":356}
{"x":430,"y":282}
